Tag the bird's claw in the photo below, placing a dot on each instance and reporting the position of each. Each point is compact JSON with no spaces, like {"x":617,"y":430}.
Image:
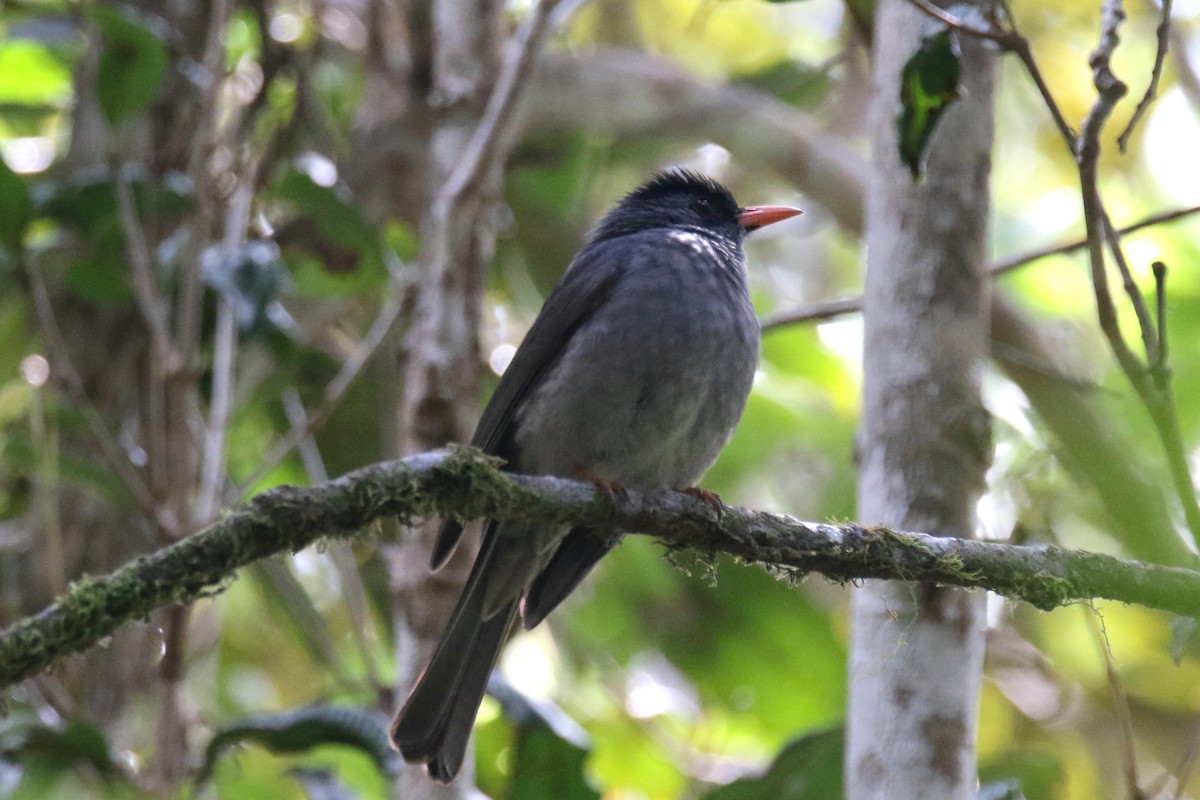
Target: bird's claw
{"x":711,"y":499}
{"x":610,"y":488}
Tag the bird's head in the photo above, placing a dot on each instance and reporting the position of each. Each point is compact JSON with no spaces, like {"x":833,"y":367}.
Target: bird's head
{"x":679,"y":198}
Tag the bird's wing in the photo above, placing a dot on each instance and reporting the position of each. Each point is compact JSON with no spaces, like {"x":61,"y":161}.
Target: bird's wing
{"x":585,"y":287}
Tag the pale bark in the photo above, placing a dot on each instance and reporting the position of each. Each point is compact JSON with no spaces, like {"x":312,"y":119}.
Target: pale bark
{"x":917,"y":651}
{"x":440,"y":355}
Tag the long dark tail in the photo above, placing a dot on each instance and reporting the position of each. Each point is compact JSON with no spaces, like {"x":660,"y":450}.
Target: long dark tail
{"x":572,"y":561}
{"x":435,"y":723}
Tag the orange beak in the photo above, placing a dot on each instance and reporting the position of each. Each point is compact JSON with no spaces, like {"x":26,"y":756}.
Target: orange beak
{"x":754,"y":217}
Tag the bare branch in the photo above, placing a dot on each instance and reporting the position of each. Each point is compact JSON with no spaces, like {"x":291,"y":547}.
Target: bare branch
{"x":64,"y":367}
{"x":353,"y":592}
{"x":1012,"y":41}
{"x":1006,"y":39}
{"x":1145,"y":323}
{"x":212,"y":470}
{"x":1025,"y":53}
{"x":189,"y":301}
{"x":1160,"y":56}
{"x":496,"y":126}
{"x":1109,"y":91}
{"x":150,"y":300}
{"x":1122,"y":713}
{"x":351,"y":368}
{"x":1160,"y":295}
{"x":463,"y":482}
{"x":1154,"y":392}
{"x":819,"y":312}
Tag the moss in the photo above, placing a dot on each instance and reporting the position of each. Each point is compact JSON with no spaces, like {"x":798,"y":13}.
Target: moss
{"x":694,"y":563}
{"x":1045,"y":591}
{"x":952,"y":565}
{"x":469,"y":483}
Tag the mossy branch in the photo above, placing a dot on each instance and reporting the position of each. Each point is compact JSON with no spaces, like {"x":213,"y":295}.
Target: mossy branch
{"x":463,"y":482}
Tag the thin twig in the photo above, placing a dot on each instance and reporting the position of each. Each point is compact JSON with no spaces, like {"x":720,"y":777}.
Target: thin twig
{"x":820,"y":312}
{"x":1186,"y":765}
{"x":151,"y":303}
{"x":336,"y":389}
{"x":1164,"y":39}
{"x":1010,"y":40}
{"x":63,"y":366}
{"x":1155,"y":392}
{"x":43,"y":436}
{"x":1013,"y":262}
{"x":1160,"y":295}
{"x":1166,"y":421}
{"x":1025,"y":53}
{"x":1140,"y":309}
{"x":176,"y":379}
{"x":1121,"y":710}
{"x":310,"y":453}
{"x":993,"y":34}
{"x":817,"y":312}
{"x":353,"y":592}
{"x":1187,"y":762}
{"x":1109,"y":91}
{"x":203,"y":143}
{"x":212,"y":471}
{"x":496,"y":125}
{"x":1093,"y":221}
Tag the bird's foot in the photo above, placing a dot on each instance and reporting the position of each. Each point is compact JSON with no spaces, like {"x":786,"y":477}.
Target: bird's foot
{"x":711,"y":499}
{"x":610,"y":488}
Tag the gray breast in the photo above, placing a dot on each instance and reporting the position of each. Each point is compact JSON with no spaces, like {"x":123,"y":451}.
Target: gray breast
{"x":650,"y":388}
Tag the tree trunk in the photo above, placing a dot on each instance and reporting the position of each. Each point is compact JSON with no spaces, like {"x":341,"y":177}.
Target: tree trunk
{"x":440,"y":356}
{"x":917,"y":653}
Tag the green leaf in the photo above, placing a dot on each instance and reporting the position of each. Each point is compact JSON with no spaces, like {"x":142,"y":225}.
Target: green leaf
{"x":330,"y":207}
{"x":304,"y":729}
{"x":929,"y":84}
{"x":77,"y":743}
{"x":31,"y":74}
{"x":330,"y":246}
{"x":548,"y":750}
{"x":132,"y":63}
{"x":16,"y":209}
{"x":88,"y":202}
{"x":809,"y":768}
{"x":101,"y":278}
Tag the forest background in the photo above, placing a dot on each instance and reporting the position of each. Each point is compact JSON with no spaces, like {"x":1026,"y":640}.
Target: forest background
{"x":230,"y":260}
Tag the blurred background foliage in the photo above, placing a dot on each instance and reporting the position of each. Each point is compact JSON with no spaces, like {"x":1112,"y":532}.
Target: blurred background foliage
{"x":655,"y":680}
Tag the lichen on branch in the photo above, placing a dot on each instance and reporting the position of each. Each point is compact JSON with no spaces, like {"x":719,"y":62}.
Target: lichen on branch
{"x":464,"y":482}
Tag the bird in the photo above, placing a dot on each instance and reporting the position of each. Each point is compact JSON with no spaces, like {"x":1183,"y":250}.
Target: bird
{"x":632,"y":376}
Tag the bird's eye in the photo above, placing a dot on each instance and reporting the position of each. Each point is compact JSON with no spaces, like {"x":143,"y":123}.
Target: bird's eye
{"x":701,"y":205}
